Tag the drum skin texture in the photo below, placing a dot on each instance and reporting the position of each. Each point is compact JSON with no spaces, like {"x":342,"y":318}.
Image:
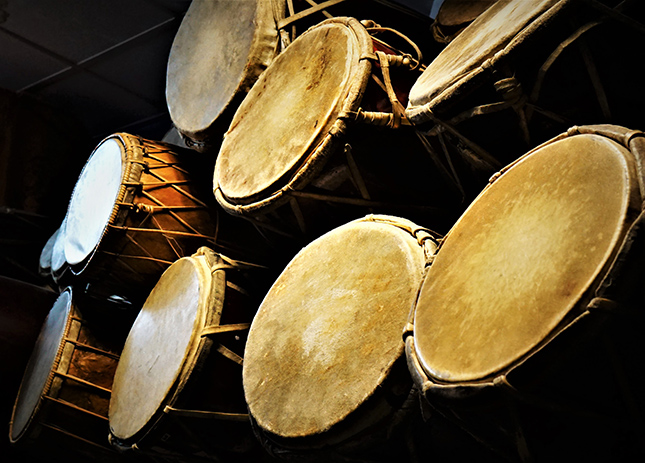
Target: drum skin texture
{"x":526,"y":298}
{"x":181,"y":365}
{"x":326,"y":342}
{"x":219,"y":51}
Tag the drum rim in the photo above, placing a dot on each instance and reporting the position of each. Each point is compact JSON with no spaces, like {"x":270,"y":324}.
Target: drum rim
{"x":315,"y":156}
{"x":205,"y":262}
{"x":352,"y":424}
{"x":259,"y":48}
{"x":32,"y":424}
{"x":425,"y":380}
{"x":132,"y":152}
{"x":448,"y":96}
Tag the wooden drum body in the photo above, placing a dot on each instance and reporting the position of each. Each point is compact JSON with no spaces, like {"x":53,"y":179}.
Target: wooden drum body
{"x":137,"y":207}
{"x":521,"y":73}
{"x":178,"y":386}
{"x":528,"y":328}
{"x":302,"y":153}
{"x":324,"y":368}
{"x":65,"y":391}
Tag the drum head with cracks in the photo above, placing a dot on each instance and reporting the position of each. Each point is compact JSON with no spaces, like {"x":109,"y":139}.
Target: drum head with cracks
{"x":93,"y":200}
{"x":523,"y":257}
{"x":489,"y":33}
{"x":43,"y":361}
{"x":290,"y":110}
{"x":164,"y":336}
{"x":328,"y":332}
{"x":219,"y":50}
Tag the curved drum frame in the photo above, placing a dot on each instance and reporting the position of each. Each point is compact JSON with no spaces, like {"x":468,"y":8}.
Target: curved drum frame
{"x":504,"y":410}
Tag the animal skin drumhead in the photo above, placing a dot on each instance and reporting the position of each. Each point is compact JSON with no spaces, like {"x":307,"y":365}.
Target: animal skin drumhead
{"x":219,"y":50}
{"x":485,"y":36}
{"x":161,"y":338}
{"x":288,"y":110}
{"x":42,"y":362}
{"x":58,"y":248}
{"x":45,"y":260}
{"x":329,"y":330}
{"x":522,"y":256}
{"x":93,"y":200}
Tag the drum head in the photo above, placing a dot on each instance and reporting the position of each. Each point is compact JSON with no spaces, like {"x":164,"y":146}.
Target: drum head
{"x":43,"y":361}
{"x":457,"y":12}
{"x":45,"y":261}
{"x":484,"y":37}
{"x":219,"y":50}
{"x":165,"y":333}
{"x":521,"y":258}
{"x":329,"y":330}
{"x":58,"y":249}
{"x":93,"y":200}
{"x":288,"y":111}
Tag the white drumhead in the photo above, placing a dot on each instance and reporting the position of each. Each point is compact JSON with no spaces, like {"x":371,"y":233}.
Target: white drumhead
{"x":58,"y":248}
{"x":45,"y":261}
{"x":40,"y":366}
{"x":93,"y":200}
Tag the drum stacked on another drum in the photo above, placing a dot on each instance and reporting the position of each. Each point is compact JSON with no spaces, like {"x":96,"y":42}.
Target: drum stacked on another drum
{"x":324,"y":367}
{"x":178,"y":386}
{"x":528,"y":327}
{"x":307,"y":150}
{"x":523,"y":72}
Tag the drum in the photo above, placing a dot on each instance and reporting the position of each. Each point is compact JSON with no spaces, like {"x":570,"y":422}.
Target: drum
{"x":455,"y":15}
{"x":527,"y":332}
{"x":324,"y":368}
{"x":59,"y":267}
{"x":137,"y":207}
{"x":63,"y":399}
{"x":523,"y":72}
{"x":219,"y":62}
{"x":45,"y":260}
{"x":178,"y":386}
{"x":317,"y":127}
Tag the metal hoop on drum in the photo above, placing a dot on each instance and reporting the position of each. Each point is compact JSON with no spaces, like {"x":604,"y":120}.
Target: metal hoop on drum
{"x":137,"y":207}
{"x":324,"y":369}
{"x":316,"y":125}
{"x":63,"y":398}
{"x":527,"y":329}
{"x":177,"y":389}
{"x":521,"y":73}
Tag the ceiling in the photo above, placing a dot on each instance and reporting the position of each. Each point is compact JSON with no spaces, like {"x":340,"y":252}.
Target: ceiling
{"x":104,"y":62}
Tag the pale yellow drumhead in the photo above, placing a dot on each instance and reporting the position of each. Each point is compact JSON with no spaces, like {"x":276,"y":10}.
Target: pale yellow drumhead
{"x":161,"y":339}
{"x":521,"y":257}
{"x":485,"y":36}
{"x":220,"y":46}
{"x":329,"y":329}
{"x":42,"y":363}
{"x":93,"y":200}
{"x":282,"y":118}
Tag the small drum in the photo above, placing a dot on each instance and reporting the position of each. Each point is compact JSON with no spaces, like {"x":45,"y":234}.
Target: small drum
{"x":455,"y":15}
{"x":58,"y":266}
{"x":46,"y":254}
{"x":523,"y":72}
{"x":324,"y":366}
{"x":310,"y":126}
{"x":136,"y":208}
{"x":64,"y":394}
{"x":220,"y":49}
{"x":528,"y":328}
{"x":178,"y":386}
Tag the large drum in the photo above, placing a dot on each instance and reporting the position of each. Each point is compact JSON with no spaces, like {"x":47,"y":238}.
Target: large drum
{"x":307,"y":149}
{"x":523,"y":72}
{"x":324,"y":367}
{"x":63,"y":399}
{"x":178,"y":386}
{"x":528,"y":328}
{"x":138,"y":206}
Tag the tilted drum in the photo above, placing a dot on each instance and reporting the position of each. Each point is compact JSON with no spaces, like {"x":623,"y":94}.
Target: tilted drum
{"x":528,"y":328}
{"x":63,"y":398}
{"x":523,"y":72}
{"x":307,"y":149}
{"x":137,"y":207}
{"x":178,"y":386}
{"x":324,"y":367}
